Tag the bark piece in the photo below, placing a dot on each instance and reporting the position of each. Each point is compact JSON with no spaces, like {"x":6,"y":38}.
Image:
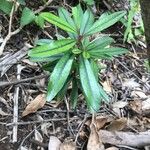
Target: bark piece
{"x":125,"y":138}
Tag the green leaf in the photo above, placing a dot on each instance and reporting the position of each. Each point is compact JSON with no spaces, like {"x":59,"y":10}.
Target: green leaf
{"x":6,"y":6}
{"x":106,"y":22}
{"x":43,"y":41}
{"x":107,"y":52}
{"x":99,"y":43}
{"x":61,"y":94}
{"x":104,"y":95}
{"x":39,"y":21}
{"x":46,"y":59}
{"x":54,"y":48}
{"x":49,"y":66}
{"x":74,"y":93}
{"x":76,"y":51}
{"x":59,"y":76}
{"x":65,"y":15}
{"x":86,"y":54}
{"x":27,"y":16}
{"x":22,"y":2}
{"x":89,"y":2}
{"x":77,"y":15}
{"x":90,"y":85}
{"x":104,"y":15}
{"x":95,"y":68}
{"x":87,"y":21}
{"x":55,"y":20}
{"x":85,"y":42}
{"x":129,"y":24}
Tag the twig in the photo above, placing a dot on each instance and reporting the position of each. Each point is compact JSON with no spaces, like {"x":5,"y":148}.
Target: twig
{"x":4,"y":138}
{"x":68,"y":115}
{"x":54,"y":110}
{"x":9,"y":30}
{"x":43,"y":7}
{"x":23,"y":80}
{"x":34,"y":122}
{"x":10,"y":33}
{"x":146,"y":85}
{"x":80,"y":128}
{"x":27,"y":137}
{"x":15,"y":114}
{"x":44,"y":145}
{"x":125,"y":138}
{"x":12,"y":58}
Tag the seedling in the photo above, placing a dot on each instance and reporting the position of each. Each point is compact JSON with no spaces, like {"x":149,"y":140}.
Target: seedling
{"x":74,"y":58}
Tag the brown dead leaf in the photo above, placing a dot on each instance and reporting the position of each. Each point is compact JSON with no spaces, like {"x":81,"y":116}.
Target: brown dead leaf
{"x":27,"y":61}
{"x":112,"y":148}
{"x":146,"y":122}
{"x":3,"y":113}
{"x":130,"y":83}
{"x":44,"y":128}
{"x":68,"y":146}
{"x":100,"y":121}
{"x":38,"y":136}
{"x":54,"y":143}
{"x":138,"y":93}
{"x":117,"y":106}
{"x":136,"y":106}
{"x":83,"y":134}
{"x":107,"y":86}
{"x":94,"y":142}
{"x":146,"y":105}
{"x":117,"y":125}
{"x":34,"y":105}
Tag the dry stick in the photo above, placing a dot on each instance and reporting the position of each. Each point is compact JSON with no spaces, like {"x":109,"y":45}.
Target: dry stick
{"x":46,"y":120}
{"x":10,"y":33}
{"x":68,"y":115}
{"x":38,"y":143}
{"x":23,"y":80}
{"x":20,"y":147}
{"x":81,"y":127}
{"x":15,"y":114}
{"x":9,"y":30}
{"x":125,"y":138}
{"x":43,"y":7}
{"x":146,"y":85}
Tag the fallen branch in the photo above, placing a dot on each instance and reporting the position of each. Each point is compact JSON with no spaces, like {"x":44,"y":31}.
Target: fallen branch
{"x":15,"y":100}
{"x":12,"y":59}
{"x":125,"y":138}
{"x":43,"y":7}
{"x":23,"y":80}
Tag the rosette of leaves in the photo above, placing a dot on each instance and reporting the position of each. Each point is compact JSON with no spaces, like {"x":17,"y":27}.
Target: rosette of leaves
{"x":73,"y":60}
